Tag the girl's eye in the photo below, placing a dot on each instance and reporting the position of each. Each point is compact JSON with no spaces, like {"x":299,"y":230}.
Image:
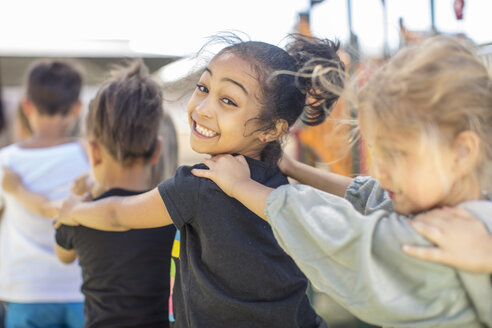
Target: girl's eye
{"x":227,"y":101}
{"x":202,"y":88}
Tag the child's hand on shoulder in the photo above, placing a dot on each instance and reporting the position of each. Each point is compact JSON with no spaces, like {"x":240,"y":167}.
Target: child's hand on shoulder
{"x":10,"y":181}
{"x":65,"y":211}
{"x":461,"y":240}
{"x":226,"y":171}
{"x":86,"y":184}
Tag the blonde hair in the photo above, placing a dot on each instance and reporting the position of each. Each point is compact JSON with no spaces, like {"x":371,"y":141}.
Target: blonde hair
{"x":438,"y":87}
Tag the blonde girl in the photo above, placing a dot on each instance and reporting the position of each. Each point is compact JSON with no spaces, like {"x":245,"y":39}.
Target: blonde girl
{"x":426,"y":116}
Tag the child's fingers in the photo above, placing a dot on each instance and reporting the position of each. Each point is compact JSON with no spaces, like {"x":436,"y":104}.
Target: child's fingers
{"x":459,"y":213}
{"x":201,"y":173}
{"x":437,"y":216}
{"x":86,"y":197}
{"x":57,"y":223}
{"x":433,"y":254}
{"x":209,"y":162}
{"x":81,"y":184}
{"x":241,"y":159}
{"x":430,"y":232}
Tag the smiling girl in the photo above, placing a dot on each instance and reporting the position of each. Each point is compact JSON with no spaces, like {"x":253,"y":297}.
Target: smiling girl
{"x":231,"y":272}
{"x":426,"y":117}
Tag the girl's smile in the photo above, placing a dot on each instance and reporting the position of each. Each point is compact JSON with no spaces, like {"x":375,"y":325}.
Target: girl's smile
{"x":202,"y":131}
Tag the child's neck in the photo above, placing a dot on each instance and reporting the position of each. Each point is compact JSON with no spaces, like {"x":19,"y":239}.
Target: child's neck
{"x":49,"y":132}
{"x":467,"y":191}
{"x":42,"y":142}
{"x":135,"y":177}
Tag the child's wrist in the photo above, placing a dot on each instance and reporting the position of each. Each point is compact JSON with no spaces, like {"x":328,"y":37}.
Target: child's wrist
{"x":238,"y":186}
{"x":290,"y":166}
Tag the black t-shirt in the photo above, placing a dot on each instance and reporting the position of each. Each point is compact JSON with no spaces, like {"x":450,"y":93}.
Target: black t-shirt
{"x":231,"y":271}
{"x":125,"y":274}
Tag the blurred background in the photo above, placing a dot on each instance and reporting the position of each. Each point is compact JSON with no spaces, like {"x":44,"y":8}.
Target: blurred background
{"x":166,"y":34}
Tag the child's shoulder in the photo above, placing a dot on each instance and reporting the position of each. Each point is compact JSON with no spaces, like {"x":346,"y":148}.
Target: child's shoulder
{"x":73,"y":151}
{"x":183,"y":173}
{"x":50,"y":144}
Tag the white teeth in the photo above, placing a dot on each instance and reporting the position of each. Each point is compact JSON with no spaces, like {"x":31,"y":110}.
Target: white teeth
{"x":204,"y":131}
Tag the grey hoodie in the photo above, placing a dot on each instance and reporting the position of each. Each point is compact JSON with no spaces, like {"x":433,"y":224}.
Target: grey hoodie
{"x":350,"y":249}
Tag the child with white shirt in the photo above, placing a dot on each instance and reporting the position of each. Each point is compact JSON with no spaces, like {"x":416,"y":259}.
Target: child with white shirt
{"x":36,"y":287}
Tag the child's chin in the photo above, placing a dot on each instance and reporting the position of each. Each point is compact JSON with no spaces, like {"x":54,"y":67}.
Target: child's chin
{"x":406,"y":211}
{"x":201,"y":150}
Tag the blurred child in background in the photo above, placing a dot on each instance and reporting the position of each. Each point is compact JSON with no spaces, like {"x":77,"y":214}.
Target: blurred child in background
{"x":37,"y":288}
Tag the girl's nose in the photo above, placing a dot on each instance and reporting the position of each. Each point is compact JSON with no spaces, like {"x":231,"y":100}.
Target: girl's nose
{"x":203,"y":109}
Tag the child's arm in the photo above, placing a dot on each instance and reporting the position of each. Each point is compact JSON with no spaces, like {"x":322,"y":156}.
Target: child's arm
{"x":145,"y":210}
{"x":232,"y":175}
{"x":320,"y":179}
{"x":36,"y":203}
{"x":65,"y":255}
{"x":351,"y":256}
{"x":462,"y":241}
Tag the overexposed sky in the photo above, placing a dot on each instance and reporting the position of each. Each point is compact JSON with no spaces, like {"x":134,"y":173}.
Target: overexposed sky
{"x":180,"y":27}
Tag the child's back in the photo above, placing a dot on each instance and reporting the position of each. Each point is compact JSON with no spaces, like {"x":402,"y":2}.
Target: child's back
{"x":126,"y":274}
{"x":47,"y":163}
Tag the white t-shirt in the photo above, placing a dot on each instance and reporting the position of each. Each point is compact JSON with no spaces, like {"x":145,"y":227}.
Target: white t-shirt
{"x":30,"y":272}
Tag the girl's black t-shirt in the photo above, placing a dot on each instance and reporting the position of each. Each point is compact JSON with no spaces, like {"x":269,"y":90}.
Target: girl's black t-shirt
{"x":125,"y":274}
{"x":231,"y":271}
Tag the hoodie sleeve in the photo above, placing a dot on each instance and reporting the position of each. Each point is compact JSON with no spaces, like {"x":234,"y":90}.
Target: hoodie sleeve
{"x":357,"y":260}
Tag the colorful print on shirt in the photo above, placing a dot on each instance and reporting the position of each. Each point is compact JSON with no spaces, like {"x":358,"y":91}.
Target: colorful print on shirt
{"x":174,"y":255}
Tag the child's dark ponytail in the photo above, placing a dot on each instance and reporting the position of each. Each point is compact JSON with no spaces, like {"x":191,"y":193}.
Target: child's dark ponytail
{"x":272,"y":152}
{"x":291,"y":82}
{"x":317,"y":62}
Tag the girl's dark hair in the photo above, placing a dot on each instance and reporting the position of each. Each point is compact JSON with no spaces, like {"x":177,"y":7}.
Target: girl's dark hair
{"x":54,"y":85}
{"x":290,"y":89}
{"x":126,"y":114}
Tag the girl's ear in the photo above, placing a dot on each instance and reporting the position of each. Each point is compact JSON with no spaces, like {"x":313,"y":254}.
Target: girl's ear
{"x":157,"y":151}
{"x":466,"y":147}
{"x":281,"y":127}
{"x":95,"y":156}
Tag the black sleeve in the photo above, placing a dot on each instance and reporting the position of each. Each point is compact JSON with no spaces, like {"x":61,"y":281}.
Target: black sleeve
{"x":180,"y":194}
{"x":63,"y":237}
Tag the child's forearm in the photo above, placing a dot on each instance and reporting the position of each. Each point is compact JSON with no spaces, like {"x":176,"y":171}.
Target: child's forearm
{"x":35,"y":202}
{"x":100,"y":215}
{"x":253,"y":195}
{"x":332,"y":183}
{"x":141,"y":211}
